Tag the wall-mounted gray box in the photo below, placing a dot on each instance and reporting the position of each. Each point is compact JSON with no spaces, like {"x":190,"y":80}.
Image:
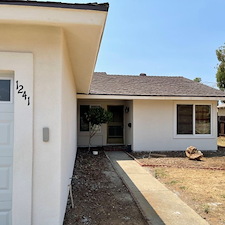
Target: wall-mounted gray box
{"x":45,"y":134}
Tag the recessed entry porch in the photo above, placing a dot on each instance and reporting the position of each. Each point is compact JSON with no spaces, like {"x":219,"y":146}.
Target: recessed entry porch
{"x":117,"y":132}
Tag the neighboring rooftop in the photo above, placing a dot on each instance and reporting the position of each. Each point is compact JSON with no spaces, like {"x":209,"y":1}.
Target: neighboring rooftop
{"x":88,"y":6}
{"x":143,"y":85}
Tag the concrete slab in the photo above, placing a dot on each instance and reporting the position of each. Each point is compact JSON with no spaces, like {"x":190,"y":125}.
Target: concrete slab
{"x":171,"y":209}
{"x":134,"y":169}
{"x":144,"y":182}
{"x":147,"y":210}
{"x":158,"y":204}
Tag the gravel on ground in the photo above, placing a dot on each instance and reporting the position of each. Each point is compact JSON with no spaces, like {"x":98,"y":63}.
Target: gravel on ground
{"x":100,"y":197}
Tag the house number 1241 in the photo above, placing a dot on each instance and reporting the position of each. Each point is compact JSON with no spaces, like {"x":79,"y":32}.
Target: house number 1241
{"x":20,"y":90}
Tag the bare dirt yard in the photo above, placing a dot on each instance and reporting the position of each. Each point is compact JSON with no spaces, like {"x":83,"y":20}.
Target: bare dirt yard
{"x":201,"y":184}
{"x":100,"y":196}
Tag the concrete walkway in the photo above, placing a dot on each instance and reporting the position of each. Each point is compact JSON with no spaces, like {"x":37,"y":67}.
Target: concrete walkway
{"x":158,"y":204}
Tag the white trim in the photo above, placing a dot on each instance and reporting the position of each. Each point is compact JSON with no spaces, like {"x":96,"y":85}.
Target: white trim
{"x":126,"y":97}
{"x":50,"y":16}
{"x":181,"y":136}
{"x":22,"y":66}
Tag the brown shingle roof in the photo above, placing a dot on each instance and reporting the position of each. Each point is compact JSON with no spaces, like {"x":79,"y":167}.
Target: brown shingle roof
{"x":103,"y":84}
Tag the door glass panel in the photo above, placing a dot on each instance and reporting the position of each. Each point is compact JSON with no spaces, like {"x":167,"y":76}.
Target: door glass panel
{"x":115,"y":131}
{"x":115,"y":127}
{"x":5,"y":90}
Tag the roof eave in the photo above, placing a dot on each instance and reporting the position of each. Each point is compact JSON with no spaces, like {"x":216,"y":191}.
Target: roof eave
{"x":88,"y":6}
{"x":147,"y":97}
{"x":83,"y":30}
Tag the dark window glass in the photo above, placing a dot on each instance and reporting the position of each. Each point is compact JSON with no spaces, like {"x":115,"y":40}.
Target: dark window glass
{"x":184,"y":119}
{"x":117,"y":112}
{"x":202,"y":119}
{"x":84,"y":126}
{"x":5,"y":90}
{"x":115,"y":126}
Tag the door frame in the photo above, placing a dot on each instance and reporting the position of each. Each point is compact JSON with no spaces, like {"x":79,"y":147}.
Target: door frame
{"x":123,"y":127}
{"x":21,"y":66}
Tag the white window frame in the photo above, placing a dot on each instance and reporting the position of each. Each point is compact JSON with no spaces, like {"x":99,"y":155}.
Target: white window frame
{"x":8,"y":77}
{"x":192,"y":135}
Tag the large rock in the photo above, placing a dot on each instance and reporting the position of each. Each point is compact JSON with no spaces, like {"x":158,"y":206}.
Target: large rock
{"x":193,"y":153}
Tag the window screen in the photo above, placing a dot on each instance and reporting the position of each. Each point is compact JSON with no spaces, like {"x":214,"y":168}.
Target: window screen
{"x":184,"y":119}
{"x":202,"y":119}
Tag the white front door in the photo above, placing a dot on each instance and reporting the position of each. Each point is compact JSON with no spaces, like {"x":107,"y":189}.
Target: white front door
{"x":6,"y":149}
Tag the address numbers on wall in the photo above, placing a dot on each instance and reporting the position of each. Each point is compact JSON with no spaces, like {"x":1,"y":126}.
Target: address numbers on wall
{"x":20,"y":90}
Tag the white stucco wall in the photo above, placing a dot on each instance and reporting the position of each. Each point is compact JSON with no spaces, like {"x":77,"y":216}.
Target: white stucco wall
{"x":52,"y":92}
{"x":68,"y":128}
{"x":129,"y":119}
{"x":155,"y":127}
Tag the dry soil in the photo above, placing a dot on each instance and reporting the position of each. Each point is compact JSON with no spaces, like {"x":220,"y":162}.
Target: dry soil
{"x":201,"y":184}
{"x":100,"y":196}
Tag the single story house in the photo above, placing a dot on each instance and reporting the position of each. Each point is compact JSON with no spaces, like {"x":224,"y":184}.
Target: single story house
{"x":152,"y":113}
{"x":48,"y":53}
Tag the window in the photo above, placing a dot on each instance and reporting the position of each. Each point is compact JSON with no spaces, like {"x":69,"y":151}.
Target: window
{"x":193,"y":119}
{"x":5,"y":90}
{"x":84,"y":126}
{"x":202,"y":119}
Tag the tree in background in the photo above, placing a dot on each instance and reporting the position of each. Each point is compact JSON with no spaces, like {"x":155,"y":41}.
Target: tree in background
{"x":220,"y":75}
{"x":96,"y":117}
{"x":197,"y":79}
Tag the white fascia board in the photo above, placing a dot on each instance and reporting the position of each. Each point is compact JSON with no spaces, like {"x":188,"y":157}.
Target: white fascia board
{"x":121,"y":97}
{"x":49,"y":16}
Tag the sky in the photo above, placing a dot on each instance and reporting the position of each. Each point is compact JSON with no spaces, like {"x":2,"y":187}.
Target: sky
{"x":162,"y":38}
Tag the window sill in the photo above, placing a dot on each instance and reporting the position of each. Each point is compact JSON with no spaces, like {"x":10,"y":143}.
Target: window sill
{"x":194,"y":136}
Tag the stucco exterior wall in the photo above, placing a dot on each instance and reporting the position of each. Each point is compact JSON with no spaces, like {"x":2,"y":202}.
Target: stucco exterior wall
{"x":51,"y":76}
{"x":68,"y":128}
{"x":155,"y":127}
{"x":129,"y":119}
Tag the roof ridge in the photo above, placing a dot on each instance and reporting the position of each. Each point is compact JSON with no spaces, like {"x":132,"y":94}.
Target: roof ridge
{"x":132,"y":75}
